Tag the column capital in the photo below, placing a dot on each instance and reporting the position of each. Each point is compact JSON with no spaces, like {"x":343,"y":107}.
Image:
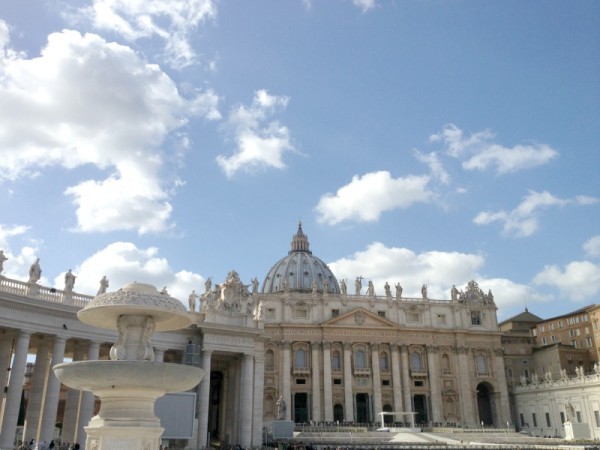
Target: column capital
{"x":395,"y":347}
{"x":498,"y":351}
{"x":461,"y":350}
{"x":403,"y":348}
{"x":432,"y":349}
{"x":247,"y":357}
{"x":347,"y":346}
{"x":286,"y":345}
{"x":315,"y":345}
{"x":326,"y":345}
{"x":374,"y":346}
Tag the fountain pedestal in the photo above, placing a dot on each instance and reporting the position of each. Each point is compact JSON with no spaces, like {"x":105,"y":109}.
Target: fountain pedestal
{"x":129,"y":384}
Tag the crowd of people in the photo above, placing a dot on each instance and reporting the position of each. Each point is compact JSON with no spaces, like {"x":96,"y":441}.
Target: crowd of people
{"x":43,"y":445}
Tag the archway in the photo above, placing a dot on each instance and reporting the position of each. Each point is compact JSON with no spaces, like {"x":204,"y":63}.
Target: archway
{"x":485,"y":394}
{"x":420,"y":407}
{"x":388,"y":420}
{"x":338,"y":413}
{"x":300,"y":407}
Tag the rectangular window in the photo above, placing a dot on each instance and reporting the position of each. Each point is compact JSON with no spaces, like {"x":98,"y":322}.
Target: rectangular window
{"x":542,"y":328}
{"x":587,"y":330}
{"x":441,"y":319}
{"x":475,"y":317}
{"x":381,"y":314}
{"x":597,"y":417}
{"x":578,"y":414}
{"x":337,"y":381}
{"x":574,"y":343}
{"x":300,"y":380}
{"x":562,"y":417}
{"x":522,"y":419}
{"x":270,"y":313}
{"x":534,"y":420}
{"x":588,"y":341}
{"x":544,"y":341}
{"x":560,"y":324}
{"x":412,"y":317}
{"x":551,"y":327}
{"x":335,"y":312}
{"x":553,"y":338}
{"x":385,"y":382}
{"x":418,"y":383}
{"x":548,"y":424}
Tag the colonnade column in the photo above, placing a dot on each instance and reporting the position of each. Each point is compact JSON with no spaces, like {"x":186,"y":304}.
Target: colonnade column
{"x":259,"y":380}
{"x":14,"y":392}
{"x":405,"y":378}
{"x":396,"y":379}
{"x":6,"y":341}
{"x":236,"y":384}
{"x":327,"y":394}
{"x":36,"y":393}
{"x":159,"y":354}
{"x":52,"y":391}
{"x":434,"y":384}
{"x":72,"y":403}
{"x":246,"y":400}
{"x":316,"y":381}
{"x":466,"y":397}
{"x":204,"y":400}
{"x":348,"y":398}
{"x":223,"y":407}
{"x":504,"y":412}
{"x":377,"y":406}
{"x":86,"y":410}
{"x":286,"y":374}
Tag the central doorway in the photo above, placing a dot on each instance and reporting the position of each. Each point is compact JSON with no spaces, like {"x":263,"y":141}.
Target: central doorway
{"x":301,"y":407}
{"x":362,"y":408}
{"x":420,"y":407}
{"x":216,"y":380}
{"x":484,"y":403}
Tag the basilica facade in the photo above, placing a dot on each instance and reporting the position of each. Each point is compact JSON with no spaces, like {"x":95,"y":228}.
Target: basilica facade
{"x":324,"y":351}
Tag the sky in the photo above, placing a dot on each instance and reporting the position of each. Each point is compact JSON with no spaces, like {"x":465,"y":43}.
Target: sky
{"x":418,"y":141}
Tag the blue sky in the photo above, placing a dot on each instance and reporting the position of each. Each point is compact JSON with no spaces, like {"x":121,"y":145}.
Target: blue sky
{"x":425,"y":141}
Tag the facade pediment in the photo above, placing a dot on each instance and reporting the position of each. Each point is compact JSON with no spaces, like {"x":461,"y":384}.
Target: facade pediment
{"x":360,"y":317}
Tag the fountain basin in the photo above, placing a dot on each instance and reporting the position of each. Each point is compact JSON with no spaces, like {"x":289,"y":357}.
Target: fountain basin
{"x":115,"y":375}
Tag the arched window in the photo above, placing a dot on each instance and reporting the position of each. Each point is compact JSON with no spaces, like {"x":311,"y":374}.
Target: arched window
{"x":446,"y":364}
{"x":300,"y":359}
{"x":383,"y":362}
{"x":359,"y":359}
{"x":336,"y":363}
{"x":481,"y":365}
{"x":270,"y":360}
{"x":415,"y":362}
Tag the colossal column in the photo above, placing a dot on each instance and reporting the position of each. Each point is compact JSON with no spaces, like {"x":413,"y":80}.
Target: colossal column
{"x":348,"y":397}
{"x":504,"y":412}
{"x":259,"y":378}
{"x":377,"y":407}
{"x":14,"y":392}
{"x":6,"y":341}
{"x":466,"y":397}
{"x":396,"y":379}
{"x":286,"y":374}
{"x":52,"y":391}
{"x":36,"y":394}
{"x":204,"y":400}
{"x":405,"y":379}
{"x":246,"y":401}
{"x":327,"y":395}
{"x":434,"y":384}
{"x":316,"y":382}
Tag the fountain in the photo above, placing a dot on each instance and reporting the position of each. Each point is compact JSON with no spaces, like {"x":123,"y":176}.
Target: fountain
{"x":130,"y":382}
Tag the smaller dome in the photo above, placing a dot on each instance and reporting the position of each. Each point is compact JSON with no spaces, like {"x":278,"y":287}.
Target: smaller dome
{"x":135,"y":299}
{"x":300,"y":269}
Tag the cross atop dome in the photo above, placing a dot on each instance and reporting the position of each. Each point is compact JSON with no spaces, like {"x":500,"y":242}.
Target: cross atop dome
{"x":300,"y":241}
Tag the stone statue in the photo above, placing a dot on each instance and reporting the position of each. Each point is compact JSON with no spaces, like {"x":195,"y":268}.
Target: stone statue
{"x":563,"y":375}
{"x":548,"y":376}
{"x":35,"y":272}
{"x":164,"y":291}
{"x":370,"y":289}
{"x":192,"y":300}
{"x":534,"y":378}
{"x":325,"y":286}
{"x":103,"y":285}
{"x":523,"y":380}
{"x":281,"y":408}
{"x":490,"y":296}
{"x":69,"y":281}
{"x":388,"y":290}
{"x":254,"y":285}
{"x":146,"y":351}
{"x":398,"y":291}
{"x":569,"y":411}
{"x":424,"y":291}
{"x":343,"y":287}
{"x":454,"y":293}
{"x":358,"y":285}
{"x":286,"y":285}
{"x":596,"y":368}
{"x":2,"y":259}
{"x":314,"y":286}
{"x":207,"y":285}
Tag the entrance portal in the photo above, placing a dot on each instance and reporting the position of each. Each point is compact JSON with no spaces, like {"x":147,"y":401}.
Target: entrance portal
{"x":362,"y":408}
{"x":300,"y":407}
{"x":485,"y":393}
{"x":420,"y":407}
{"x":216,"y":379}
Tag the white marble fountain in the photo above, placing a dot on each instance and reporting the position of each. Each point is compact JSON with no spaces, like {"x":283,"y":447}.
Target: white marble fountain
{"x":130,"y":382}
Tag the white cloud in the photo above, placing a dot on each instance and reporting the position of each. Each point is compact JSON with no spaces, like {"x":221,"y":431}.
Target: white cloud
{"x":124,"y":262}
{"x":88,"y":101}
{"x":579,"y":280}
{"x":367,"y":196}
{"x":478,"y":151}
{"x":523,"y":221}
{"x":364,"y":5}
{"x":592,"y":246}
{"x":260,"y":144}
{"x":171,"y":21}
{"x":435,"y":166}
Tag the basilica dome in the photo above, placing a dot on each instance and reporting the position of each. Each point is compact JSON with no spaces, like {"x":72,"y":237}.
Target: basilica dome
{"x":300,"y":270}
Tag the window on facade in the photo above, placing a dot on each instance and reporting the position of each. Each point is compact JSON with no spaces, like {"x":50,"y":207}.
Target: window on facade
{"x":446,"y":364}
{"x":359,"y":359}
{"x":383,"y":362}
{"x":551,"y":327}
{"x":441,"y":319}
{"x":335,"y":312}
{"x":336,"y":363}
{"x":562,"y":417}
{"x":542,"y":329}
{"x":522,"y":419}
{"x":385,"y":382}
{"x":481,"y":365}
{"x":560,"y":324}
{"x":534,"y":419}
{"x":381,"y":314}
{"x":597,"y":418}
{"x":588,"y":341}
{"x":337,"y":381}
{"x":412,"y":316}
{"x":476,"y":317}
{"x":300,"y":380}
{"x":544,"y":341}
{"x":418,"y":383}
{"x":300,"y":358}
{"x":578,"y":414}
{"x":574,"y":343}
{"x":553,"y":338}
{"x":270,"y":360}
{"x":270,"y":313}
{"x":509,"y":372}
{"x":415,"y":362}
{"x":548,"y":424}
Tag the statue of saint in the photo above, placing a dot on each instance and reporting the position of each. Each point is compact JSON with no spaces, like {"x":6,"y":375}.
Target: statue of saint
{"x":281,"y":408}
{"x":35,"y":272}
{"x":2,"y":259}
{"x":370,"y":289}
{"x":398,"y":291}
{"x":454,"y":293}
{"x":103,"y":285}
{"x":254,"y":285}
{"x":424,"y":291}
{"x":388,"y":290}
{"x":314,"y":286}
{"x":69,"y":281}
{"x":569,"y":411}
{"x":207,"y":285}
{"x":343,"y":287}
{"x":192,"y":300}
{"x":358,"y":285}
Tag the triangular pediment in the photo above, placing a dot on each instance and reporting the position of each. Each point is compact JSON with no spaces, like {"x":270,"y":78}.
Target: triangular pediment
{"x":359,"y":317}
